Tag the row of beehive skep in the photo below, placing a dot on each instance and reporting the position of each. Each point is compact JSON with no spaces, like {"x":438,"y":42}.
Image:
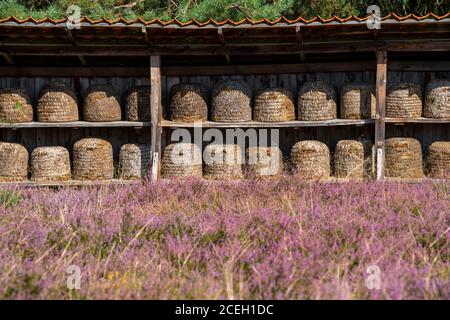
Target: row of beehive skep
{"x":405,"y":100}
{"x":57,"y":102}
{"x":92,"y":160}
{"x":309,"y":159}
{"x":232,"y":102}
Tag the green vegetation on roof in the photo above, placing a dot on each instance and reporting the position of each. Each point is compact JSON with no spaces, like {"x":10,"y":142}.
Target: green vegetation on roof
{"x":216,"y":9}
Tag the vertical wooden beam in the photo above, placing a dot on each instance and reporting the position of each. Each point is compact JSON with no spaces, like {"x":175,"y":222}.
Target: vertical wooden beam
{"x":223,"y":42}
{"x":146,"y":36}
{"x":380,"y":110}
{"x":298,"y":34}
{"x":74,"y":43}
{"x":83,"y":61}
{"x":156,"y":115}
{"x":8,"y":58}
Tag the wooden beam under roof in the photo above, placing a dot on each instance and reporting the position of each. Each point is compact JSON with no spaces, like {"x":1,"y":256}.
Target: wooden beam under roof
{"x":241,"y":49}
{"x":17,"y":71}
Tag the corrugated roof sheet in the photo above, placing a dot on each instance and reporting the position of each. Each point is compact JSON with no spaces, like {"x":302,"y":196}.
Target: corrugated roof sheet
{"x":213,"y":23}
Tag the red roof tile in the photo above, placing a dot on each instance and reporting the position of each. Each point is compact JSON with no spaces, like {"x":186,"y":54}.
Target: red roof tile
{"x":213,"y":23}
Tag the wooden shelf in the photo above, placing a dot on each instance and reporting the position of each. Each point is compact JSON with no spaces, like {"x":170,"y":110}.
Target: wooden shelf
{"x":416,"y":120}
{"x":29,"y":183}
{"x":118,"y":182}
{"x":75,"y":124}
{"x":253,"y":124}
{"x":417,"y":180}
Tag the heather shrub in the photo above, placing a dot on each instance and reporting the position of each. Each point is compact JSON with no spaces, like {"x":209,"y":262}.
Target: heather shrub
{"x":259,"y":239}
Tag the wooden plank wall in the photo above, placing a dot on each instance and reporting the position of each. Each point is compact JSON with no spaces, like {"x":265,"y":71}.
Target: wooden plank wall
{"x":34,"y":137}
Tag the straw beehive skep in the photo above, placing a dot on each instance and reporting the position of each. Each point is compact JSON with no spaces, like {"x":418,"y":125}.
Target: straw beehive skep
{"x":50,"y":164}
{"x":181,"y":160}
{"x":358,"y":101}
{"x":274,"y":105}
{"x":15,"y":106}
{"x":438,"y":160}
{"x":353,"y":159}
{"x":101,"y":103}
{"x":137,"y":104}
{"x":188,"y":102}
{"x":231,"y":101}
{"x":311,"y":160}
{"x":57,"y":103}
{"x":13,"y":162}
{"x":263,"y":161}
{"x":317,"y":101}
{"x":223,"y":161}
{"x":437,"y":100}
{"x":404,"y":100}
{"x":93,"y":159}
{"x":403,"y":158}
{"x":134,"y":161}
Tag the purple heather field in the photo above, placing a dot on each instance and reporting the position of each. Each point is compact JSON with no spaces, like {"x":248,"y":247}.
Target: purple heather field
{"x":266,"y":239}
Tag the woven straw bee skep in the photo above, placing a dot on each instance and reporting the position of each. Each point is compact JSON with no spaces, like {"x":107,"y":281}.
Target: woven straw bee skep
{"x":358,"y":101}
{"x":92,"y":159}
{"x":181,"y":160}
{"x":137,"y":104}
{"x":57,"y":103}
{"x":311,"y":160}
{"x":403,"y":158}
{"x":437,"y":100}
{"x":438,"y":160}
{"x":50,"y":164}
{"x":231,"y":101}
{"x":263,"y":161}
{"x":13,"y":162}
{"x":15,"y":106}
{"x":274,"y":105}
{"x":404,"y":100}
{"x":317,"y":101}
{"x":101,"y":103}
{"x":353,"y":159}
{"x":134,"y":161}
{"x":188,"y":102}
{"x":223,"y":161}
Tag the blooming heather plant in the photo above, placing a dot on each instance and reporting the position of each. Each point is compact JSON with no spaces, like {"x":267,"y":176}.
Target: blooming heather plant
{"x":267,"y":239}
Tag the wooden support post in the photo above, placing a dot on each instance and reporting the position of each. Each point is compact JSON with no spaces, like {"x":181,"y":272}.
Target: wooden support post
{"x":146,"y":36}
{"x":156,"y":115}
{"x":83,"y":61}
{"x":74,"y":43}
{"x":223,"y":42}
{"x":298,"y":33}
{"x":380,"y":111}
{"x":8,"y":58}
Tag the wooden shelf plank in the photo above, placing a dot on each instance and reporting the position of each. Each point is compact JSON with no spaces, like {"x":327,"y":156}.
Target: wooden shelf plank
{"x":75,"y":124}
{"x":118,"y":182}
{"x":29,"y":183}
{"x":416,"y":120}
{"x":253,"y":124}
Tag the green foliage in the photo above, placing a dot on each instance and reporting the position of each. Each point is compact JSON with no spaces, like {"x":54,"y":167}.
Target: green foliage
{"x":216,"y":9}
{"x":12,"y":8}
{"x":9,"y":199}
